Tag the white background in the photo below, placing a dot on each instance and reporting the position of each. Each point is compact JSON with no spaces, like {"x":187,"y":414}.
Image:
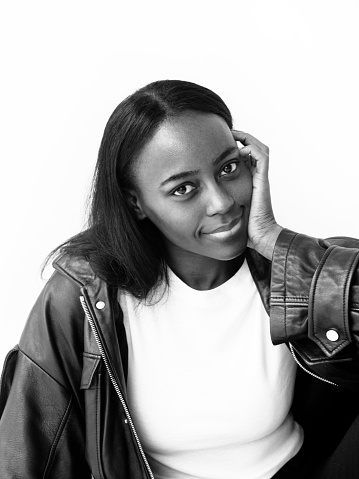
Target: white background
{"x":288,"y":71}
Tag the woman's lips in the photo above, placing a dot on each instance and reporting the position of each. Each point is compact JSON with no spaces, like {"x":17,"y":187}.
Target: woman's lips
{"x":226,"y":231}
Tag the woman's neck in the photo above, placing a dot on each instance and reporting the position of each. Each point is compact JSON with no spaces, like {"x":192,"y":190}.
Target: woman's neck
{"x":200,"y":272}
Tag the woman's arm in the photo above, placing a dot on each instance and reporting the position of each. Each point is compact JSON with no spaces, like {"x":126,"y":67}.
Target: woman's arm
{"x":314,"y":302}
{"x":315,"y":294}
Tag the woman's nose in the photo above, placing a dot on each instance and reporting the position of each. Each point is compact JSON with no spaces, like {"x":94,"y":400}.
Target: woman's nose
{"x":218,"y":201}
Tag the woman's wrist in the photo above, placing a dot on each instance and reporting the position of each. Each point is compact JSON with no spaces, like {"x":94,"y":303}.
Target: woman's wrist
{"x":265,"y":246}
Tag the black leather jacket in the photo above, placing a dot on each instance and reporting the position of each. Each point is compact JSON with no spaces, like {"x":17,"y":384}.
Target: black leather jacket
{"x":63,"y":403}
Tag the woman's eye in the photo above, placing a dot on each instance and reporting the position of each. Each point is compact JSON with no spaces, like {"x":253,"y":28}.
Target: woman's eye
{"x":229,"y":168}
{"x":183,"y":190}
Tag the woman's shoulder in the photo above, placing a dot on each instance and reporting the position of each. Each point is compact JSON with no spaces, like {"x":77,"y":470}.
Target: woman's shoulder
{"x":53,"y":335}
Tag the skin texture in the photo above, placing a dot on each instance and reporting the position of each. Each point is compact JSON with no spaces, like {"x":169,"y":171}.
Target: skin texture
{"x":188,"y":210}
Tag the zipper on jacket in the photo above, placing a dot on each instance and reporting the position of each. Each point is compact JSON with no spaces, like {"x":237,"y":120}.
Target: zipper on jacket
{"x":306,"y":370}
{"x":115,"y":385}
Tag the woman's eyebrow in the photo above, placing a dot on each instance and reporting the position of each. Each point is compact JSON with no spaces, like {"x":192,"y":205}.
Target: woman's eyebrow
{"x":223,"y":155}
{"x":186,"y":174}
{"x":179,"y":176}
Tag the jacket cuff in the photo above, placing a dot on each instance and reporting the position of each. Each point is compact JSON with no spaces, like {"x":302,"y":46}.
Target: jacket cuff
{"x":310,"y":288}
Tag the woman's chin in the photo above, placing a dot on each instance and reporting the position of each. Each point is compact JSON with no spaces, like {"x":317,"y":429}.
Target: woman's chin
{"x":230,"y":253}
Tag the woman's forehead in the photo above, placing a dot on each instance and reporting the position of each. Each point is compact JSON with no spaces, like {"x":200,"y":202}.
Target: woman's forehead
{"x":187,"y":139}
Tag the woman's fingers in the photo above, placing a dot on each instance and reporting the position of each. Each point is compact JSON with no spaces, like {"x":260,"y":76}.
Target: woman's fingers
{"x":262,"y":227}
{"x":256,"y":152}
{"x":255,"y":158}
{"x":247,"y":139}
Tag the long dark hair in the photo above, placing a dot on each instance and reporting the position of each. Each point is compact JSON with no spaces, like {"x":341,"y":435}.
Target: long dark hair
{"x":124,"y":251}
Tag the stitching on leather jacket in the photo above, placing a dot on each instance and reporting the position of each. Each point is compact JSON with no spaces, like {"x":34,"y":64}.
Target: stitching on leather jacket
{"x":97,"y":436}
{"x":349,"y":273}
{"x":285,"y":283}
{"x":299,"y":297}
{"x":320,"y":268}
{"x":349,"y":276}
{"x":66,"y":273}
{"x":57,"y":437}
{"x":344,"y":300}
{"x":317,"y":273}
{"x":44,"y":370}
{"x":90,"y":364}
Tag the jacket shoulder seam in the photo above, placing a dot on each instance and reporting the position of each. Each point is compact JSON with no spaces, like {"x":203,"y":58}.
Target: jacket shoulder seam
{"x":43,"y":370}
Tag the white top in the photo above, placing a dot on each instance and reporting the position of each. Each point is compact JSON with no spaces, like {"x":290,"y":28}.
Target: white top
{"x":209,"y":393}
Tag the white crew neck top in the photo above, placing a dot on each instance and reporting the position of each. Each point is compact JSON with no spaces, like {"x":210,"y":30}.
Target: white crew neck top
{"x":209,"y":393}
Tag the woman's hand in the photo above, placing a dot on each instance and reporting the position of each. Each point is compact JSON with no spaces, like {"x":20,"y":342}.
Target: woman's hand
{"x":263,"y":230}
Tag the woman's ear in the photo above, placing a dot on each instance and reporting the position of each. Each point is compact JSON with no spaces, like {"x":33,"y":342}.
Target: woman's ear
{"x":134,"y":204}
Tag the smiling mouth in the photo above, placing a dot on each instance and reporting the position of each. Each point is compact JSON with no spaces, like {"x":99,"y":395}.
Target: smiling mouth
{"x":226,"y":231}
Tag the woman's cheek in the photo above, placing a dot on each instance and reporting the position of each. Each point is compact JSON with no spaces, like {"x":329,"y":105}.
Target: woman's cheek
{"x":169,"y":217}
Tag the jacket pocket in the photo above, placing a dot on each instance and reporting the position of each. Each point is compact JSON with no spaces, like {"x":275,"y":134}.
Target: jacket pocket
{"x":89,"y":379}
{"x":91,"y":384}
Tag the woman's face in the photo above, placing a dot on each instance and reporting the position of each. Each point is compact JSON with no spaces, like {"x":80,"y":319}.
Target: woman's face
{"x":193,"y":185}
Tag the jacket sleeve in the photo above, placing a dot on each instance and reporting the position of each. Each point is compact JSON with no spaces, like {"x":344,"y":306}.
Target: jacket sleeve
{"x":315,"y":297}
{"x":42,"y":425}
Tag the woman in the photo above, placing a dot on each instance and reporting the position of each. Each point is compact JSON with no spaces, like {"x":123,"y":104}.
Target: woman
{"x":148,"y":353}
